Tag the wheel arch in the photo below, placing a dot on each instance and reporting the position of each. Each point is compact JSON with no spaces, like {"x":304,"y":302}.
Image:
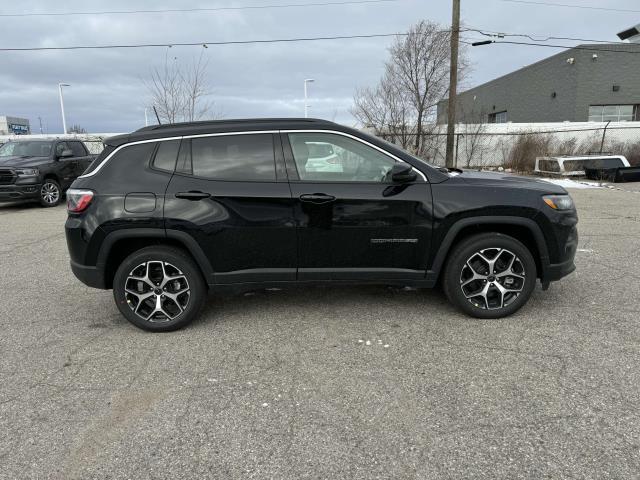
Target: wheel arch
{"x":51,"y":176}
{"x":523,"y":229}
{"x":120,"y":244}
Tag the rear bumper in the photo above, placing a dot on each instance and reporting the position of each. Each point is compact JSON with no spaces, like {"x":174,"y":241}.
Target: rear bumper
{"x":12,"y":193}
{"x":89,"y":275}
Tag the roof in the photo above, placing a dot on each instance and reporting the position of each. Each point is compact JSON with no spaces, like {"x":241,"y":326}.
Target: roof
{"x":220,"y":126}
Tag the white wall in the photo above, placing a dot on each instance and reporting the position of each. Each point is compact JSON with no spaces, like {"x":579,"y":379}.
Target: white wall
{"x":490,"y":144}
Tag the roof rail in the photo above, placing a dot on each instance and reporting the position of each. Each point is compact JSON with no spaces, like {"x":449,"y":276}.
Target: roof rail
{"x":204,"y":123}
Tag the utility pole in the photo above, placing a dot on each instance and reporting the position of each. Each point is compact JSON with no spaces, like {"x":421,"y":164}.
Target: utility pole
{"x":453,"y":83}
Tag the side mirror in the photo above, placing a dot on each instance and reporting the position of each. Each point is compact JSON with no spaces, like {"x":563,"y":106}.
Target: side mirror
{"x":66,"y":153}
{"x":402,"y":173}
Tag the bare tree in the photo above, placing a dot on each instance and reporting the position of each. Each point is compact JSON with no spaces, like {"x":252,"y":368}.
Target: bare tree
{"x":386,"y":111}
{"x":416,"y":78}
{"x":181,"y":93}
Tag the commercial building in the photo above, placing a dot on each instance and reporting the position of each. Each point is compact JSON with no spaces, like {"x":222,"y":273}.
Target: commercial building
{"x":14,"y":126}
{"x":593,"y":82}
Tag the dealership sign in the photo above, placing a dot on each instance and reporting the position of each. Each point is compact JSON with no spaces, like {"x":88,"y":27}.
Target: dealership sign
{"x":19,"y":129}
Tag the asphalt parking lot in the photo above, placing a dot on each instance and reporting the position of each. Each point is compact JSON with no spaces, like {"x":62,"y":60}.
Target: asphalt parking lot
{"x":283,"y":384}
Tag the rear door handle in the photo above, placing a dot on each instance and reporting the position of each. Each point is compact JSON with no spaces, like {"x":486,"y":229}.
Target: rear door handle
{"x":317,"y":198}
{"x":193,"y":196}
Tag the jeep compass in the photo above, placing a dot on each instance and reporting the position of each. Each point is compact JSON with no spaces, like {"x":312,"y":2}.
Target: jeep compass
{"x":169,"y":213}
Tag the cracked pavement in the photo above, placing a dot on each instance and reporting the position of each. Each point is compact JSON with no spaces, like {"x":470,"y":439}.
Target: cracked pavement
{"x":282,"y":384}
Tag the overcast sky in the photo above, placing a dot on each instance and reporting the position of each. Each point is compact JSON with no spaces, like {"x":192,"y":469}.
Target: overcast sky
{"x":108,"y":92}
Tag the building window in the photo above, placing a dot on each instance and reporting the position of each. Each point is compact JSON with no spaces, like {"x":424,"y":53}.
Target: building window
{"x":498,"y":117}
{"x":614,"y":113}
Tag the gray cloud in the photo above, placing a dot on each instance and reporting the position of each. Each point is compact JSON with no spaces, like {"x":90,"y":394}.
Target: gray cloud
{"x":108,"y":93}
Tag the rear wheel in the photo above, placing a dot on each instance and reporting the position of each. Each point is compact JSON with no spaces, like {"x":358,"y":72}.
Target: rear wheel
{"x":159,"y":289}
{"x":50,"y":193}
{"x":490,"y":275}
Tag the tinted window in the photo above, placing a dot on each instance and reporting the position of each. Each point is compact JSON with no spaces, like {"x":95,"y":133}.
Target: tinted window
{"x":234,"y":157}
{"x":126,"y":163}
{"x":77,"y":148}
{"x":328,"y":157}
{"x":166,"y":155}
{"x":105,"y":151}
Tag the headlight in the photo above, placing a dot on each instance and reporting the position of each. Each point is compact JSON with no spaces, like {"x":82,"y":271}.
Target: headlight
{"x":559,"y":202}
{"x":27,"y":172}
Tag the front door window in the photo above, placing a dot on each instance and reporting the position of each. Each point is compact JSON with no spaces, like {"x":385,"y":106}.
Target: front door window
{"x":328,"y":157}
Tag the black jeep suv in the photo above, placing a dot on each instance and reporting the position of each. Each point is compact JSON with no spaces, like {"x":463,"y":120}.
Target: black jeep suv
{"x":40,"y":169}
{"x":169,"y":212}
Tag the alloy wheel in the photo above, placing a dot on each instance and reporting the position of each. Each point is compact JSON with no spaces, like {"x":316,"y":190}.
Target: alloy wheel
{"x":492,"y":278}
{"x":50,"y":193}
{"x":157,"y":291}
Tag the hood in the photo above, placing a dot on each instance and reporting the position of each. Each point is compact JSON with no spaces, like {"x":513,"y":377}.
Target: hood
{"x":22,"y":162}
{"x":507,"y":180}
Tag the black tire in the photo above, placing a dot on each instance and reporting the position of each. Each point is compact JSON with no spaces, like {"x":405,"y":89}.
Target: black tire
{"x":177,"y":309}
{"x":519,"y":278}
{"x":50,"y":193}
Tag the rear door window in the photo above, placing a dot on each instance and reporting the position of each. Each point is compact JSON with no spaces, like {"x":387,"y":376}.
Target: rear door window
{"x":234,"y":157}
{"x":77,"y":148}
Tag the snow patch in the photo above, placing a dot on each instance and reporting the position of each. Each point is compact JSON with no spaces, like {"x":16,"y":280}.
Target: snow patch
{"x":568,"y":183}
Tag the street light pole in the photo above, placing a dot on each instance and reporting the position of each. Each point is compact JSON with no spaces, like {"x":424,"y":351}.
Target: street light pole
{"x":64,"y":120}
{"x":453,"y":83}
{"x":306,"y":102}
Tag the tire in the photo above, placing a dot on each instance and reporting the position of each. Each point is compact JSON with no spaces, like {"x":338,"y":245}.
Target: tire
{"x":50,"y":193}
{"x":501,"y":291}
{"x":159,"y":289}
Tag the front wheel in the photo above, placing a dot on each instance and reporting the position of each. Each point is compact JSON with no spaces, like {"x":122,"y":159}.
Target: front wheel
{"x":159,"y":289}
{"x":50,"y":193}
{"x":490,"y":275}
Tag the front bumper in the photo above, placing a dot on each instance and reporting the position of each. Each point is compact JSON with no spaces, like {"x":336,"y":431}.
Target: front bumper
{"x":16,"y":192}
{"x":556,"y":271}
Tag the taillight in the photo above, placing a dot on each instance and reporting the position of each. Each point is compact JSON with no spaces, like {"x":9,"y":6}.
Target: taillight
{"x":78,"y":200}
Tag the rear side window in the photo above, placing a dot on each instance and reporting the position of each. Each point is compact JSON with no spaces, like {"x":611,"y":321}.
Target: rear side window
{"x":166,"y":155}
{"x":234,"y":157}
{"x":105,"y":152}
{"x":128,"y":162}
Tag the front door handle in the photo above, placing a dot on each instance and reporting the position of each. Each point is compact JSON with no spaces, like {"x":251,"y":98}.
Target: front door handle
{"x":317,"y":198}
{"x":193,"y":196}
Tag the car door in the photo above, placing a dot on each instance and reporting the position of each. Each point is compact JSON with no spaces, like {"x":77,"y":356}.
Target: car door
{"x":230,"y":193}
{"x":80,"y":154}
{"x":353,"y":222}
{"x":66,"y":165}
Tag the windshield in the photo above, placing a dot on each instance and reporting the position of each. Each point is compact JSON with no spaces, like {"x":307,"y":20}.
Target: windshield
{"x":26,"y":149}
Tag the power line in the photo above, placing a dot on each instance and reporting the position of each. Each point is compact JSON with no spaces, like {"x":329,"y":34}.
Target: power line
{"x":203,"y":44}
{"x":535,"y":38}
{"x":568,"y":47}
{"x":191,"y":10}
{"x":584,"y":7}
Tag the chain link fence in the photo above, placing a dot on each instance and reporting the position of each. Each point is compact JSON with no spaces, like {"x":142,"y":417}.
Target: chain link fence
{"x":516,"y":146}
